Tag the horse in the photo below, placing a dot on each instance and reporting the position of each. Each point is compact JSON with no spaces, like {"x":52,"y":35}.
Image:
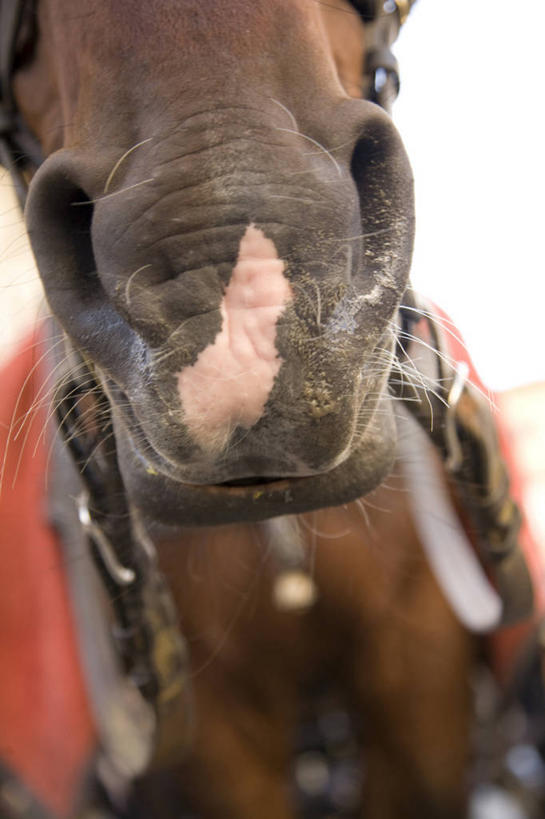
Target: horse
{"x":223,"y":228}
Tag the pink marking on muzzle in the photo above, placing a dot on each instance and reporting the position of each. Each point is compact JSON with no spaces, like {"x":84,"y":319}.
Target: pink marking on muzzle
{"x":232,"y":378}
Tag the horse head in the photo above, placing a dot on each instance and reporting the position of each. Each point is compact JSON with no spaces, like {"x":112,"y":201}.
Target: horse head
{"x":225,"y":232}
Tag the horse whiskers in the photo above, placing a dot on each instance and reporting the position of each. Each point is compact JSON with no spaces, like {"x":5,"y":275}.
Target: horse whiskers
{"x":91,"y":412}
{"x":316,"y":143}
{"x":302,"y":288}
{"x":54,"y":390}
{"x":445,"y":323}
{"x":28,"y":416}
{"x":13,"y":243}
{"x":111,"y":195}
{"x":387,"y":361}
{"x":446,"y":359}
{"x":45,"y":426}
{"x":288,"y":112}
{"x":130,"y":281}
{"x":161,"y":355}
{"x":122,"y":159}
{"x":420,"y":378}
{"x":368,"y":234}
{"x":296,"y":130}
{"x":99,"y":445}
{"x":42,"y":399}
{"x":361,"y":506}
{"x":410,"y":376}
{"x":15,"y":411}
{"x":374,"y":506}
{"x":323,"y":535}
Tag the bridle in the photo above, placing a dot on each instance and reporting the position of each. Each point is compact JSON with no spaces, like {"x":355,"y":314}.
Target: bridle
{"x":19,"y":148}
{"x":150,"y":645}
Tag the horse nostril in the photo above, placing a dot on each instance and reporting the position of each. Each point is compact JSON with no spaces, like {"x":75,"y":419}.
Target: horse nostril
{"x":75,"y":214}
{"x":59,"y":217}
{"x":381,"y":171}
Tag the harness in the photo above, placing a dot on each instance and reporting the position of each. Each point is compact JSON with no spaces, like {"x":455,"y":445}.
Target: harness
{"x":151,"y":649}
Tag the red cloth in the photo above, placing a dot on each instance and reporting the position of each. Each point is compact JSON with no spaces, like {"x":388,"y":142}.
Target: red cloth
{"x":506,"y":646}
{"x":46,"y":731}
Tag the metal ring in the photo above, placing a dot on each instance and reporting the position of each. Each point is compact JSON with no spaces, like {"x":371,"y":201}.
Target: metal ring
{"x":454,"y":450}
{"x":403,"y":9}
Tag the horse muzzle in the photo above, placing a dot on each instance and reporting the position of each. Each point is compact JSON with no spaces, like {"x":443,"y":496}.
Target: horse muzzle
{"x":243,"y":328}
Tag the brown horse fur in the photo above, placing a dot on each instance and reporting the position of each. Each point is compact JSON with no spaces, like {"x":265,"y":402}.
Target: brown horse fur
{"x":380,"y":633}
{"x":102,"y":81}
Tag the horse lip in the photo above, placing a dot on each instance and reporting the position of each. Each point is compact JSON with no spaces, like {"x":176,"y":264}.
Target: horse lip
{"x":253,"y":489}
{"x":249,"y":485}
{"x":252,"y":481}
{"x":170,"y":498}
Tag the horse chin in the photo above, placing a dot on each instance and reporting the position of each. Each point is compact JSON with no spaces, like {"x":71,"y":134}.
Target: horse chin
{"x":166,"y":499}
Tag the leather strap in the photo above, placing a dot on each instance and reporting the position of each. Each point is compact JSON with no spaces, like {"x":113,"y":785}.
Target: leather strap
{"x":18,"y":802}
{"x":458,"y":420}
{"x":18,"y":146}
{"x":381,"y":80}
{"x":150,"y":685}
{"x":450,"y":554}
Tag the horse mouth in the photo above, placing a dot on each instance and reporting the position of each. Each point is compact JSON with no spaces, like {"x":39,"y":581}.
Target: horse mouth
{"x":256,"y":485}
{"x":170,"y":496}
{"x":253,"y":488}
{"x":251,"y":482}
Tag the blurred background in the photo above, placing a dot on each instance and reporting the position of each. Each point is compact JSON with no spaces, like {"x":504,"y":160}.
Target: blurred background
{"x":20,"y":292}
{"x":472,"y":118}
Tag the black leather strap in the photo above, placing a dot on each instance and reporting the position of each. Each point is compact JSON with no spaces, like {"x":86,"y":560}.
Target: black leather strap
{"x":16,"y":800}
{"x":150,"y":645}
{"x":458,"y":420}
{"x":18,"y":146}
{"x":11,"y":13}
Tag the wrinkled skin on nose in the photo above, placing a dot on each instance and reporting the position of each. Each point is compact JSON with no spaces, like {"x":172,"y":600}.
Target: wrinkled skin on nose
{"x":231,"y":259}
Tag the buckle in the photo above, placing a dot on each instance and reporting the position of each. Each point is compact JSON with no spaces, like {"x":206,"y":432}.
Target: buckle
{"x":454,"y":454}
{"x":403,"y":9}
{"x":121,"y":575}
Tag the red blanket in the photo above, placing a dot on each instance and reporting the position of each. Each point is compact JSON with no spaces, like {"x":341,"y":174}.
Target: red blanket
{"x":46,"y":731}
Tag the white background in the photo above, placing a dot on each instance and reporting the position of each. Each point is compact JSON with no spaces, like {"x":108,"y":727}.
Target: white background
{"x":472,"y":116}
